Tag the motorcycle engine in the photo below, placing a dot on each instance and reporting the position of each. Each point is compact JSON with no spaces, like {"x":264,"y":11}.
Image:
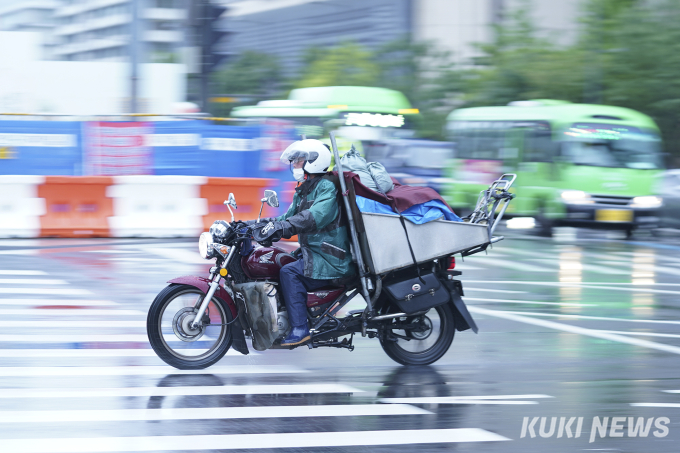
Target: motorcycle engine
{"x":282,"y":322}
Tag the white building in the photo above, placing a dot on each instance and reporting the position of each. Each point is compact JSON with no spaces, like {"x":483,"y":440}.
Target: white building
{"x":31,"y":15}
{"x":459,"y":25}
{"x":32,"y":85}
{"x":286,"y":28}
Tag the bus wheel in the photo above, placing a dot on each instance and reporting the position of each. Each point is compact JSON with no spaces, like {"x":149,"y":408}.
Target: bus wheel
{"x":545,"y":225}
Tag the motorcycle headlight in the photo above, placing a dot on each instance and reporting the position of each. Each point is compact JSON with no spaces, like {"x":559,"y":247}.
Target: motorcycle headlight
{"x":205,"y":245}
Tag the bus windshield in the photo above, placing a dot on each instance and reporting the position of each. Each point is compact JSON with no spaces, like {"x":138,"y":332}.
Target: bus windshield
{"x":605,"y":145}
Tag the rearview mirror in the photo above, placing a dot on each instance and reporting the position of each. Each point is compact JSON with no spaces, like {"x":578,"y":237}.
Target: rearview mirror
{"x":271,"y":198}
{"x":231,"y":201}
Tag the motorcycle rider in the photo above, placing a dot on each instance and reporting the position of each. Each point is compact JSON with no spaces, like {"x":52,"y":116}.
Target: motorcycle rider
{"x":314,"y":215}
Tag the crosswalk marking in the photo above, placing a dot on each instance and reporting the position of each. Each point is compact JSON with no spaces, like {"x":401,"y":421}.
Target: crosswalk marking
{"x":58,"y":312}
{"x":47,"y":291}
{"x":21,"y":272}
{"x":209,"y":413}
{"x":655,"y":404}
{"x":83,"y":323}
{"x":26,"y":353}
{"x":41,"y":371}
{"x":57,"y":302}
{"x":276,"y":389}
{"x":31,"y":281}
{"x":74,"y":338}
{"x":249,"y":441}
{"x":472,"y":400}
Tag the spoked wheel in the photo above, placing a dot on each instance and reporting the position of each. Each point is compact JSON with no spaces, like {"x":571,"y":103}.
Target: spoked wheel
{"x":420,"y":340}
{"x":170,"y":331}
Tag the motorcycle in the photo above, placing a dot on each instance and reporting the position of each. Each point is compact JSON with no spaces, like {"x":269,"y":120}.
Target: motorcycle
{"x":413,"y":299}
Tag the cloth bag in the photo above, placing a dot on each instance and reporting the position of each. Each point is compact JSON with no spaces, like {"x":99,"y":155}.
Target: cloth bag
{"x":372,"y":174}
{"x":260,"y":301}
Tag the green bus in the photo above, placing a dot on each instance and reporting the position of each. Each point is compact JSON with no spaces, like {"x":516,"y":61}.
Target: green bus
{"x":576,"y":164}
{"x":354,"y":112}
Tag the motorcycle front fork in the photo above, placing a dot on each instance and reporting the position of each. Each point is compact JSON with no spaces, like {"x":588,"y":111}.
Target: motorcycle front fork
{"x":213,"y":288}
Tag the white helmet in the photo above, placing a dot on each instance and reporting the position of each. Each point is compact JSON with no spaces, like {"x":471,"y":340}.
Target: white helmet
{"x":316,"y":155}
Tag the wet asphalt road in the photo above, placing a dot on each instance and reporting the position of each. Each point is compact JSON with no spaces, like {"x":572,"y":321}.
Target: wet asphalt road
{"x":574,"y":330}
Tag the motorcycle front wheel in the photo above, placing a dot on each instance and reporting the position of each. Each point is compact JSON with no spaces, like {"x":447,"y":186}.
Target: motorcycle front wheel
{"x":172,"y":337}
{"x":424,"y":346}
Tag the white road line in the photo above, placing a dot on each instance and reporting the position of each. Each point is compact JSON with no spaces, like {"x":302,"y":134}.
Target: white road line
{"x":81,"y":353}
{"x":31,"y":281}
{"x":209,"y":413}
{"x":111,"y":251}
{"x":635,"y":288}
{"x":24,"y":252}
{"x":486,"y":399}
{"x":671,"y":391}
{"x":177,"y":391}
{"x":179,"y":255}
{"x":57,"y":312}
{"x":585,"y":267}
{"x":15,"y":272}
{"x":515,"y":266}
{"x":78,"y":324}
{"x":47,"y":291}
{"x":576,"y":330}
{"x":249,"y":441}
{"x":511,"y":301}
{"x":641,"y":334}
{"x":655,"y":404}
{"x":594,"y":318}
{"x":74,"y":338}
{"x":42,"y":371}
{"x":467,"y":288}
{"x":58,"y":302}
{"x":27,"y":353}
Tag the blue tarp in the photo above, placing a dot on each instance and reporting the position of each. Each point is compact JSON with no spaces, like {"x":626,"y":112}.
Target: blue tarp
{"x":418,"y":214}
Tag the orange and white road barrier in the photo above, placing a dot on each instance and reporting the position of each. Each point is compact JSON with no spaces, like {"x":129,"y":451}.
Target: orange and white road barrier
{"x":123,"y":206}
{"x":20,"y":206}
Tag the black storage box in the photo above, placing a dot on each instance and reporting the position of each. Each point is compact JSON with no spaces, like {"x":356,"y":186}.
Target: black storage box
{"x":412,"y":295}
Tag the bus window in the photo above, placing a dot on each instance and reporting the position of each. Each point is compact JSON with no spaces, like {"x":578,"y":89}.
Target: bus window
{"x":604,"y":145}
{"x":538,"y":144}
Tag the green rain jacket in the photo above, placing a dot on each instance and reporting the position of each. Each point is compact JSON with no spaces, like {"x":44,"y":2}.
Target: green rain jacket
{"x":315,"y":214}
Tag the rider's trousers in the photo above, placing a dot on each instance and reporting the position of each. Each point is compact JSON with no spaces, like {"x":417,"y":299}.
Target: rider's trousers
{"x":294,"y":287}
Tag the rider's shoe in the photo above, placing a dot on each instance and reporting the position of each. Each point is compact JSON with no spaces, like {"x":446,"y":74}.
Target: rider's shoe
{"x":297,"y":336}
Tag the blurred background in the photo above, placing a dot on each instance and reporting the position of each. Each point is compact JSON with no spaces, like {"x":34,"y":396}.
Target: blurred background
{"x":219,"y":88}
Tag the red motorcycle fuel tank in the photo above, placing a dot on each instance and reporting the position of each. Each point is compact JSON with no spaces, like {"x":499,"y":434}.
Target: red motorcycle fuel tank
{"x":265,"y":262}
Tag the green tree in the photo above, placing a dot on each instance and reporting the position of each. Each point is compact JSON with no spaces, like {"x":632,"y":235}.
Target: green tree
{"x":251,"y":73}
{"x":347,"y":64}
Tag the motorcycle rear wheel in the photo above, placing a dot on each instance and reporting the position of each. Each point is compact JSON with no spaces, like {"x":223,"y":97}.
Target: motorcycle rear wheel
{"x":422,"y":348}
{"x":170,"y":334}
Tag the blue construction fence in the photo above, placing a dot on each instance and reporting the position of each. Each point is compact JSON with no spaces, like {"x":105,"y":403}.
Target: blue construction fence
{"x":194,"y":148}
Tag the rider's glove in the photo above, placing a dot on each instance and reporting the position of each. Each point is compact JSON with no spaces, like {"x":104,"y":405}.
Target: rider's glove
{"x":273,"y":231}
{"x":253,"y":222}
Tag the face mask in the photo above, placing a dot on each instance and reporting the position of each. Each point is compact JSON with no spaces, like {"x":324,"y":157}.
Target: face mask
{"x":299,"y":174}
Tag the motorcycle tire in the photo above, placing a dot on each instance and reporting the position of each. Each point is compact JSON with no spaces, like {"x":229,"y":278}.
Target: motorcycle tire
{"x":158,"y":331}
{"x":424,"y":353}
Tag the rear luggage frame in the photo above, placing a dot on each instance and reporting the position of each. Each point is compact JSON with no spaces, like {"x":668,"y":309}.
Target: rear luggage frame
{"x":381,"y":243}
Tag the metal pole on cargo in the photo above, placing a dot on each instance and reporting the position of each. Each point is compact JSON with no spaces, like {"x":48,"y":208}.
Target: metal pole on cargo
{"x":353,"y":232}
